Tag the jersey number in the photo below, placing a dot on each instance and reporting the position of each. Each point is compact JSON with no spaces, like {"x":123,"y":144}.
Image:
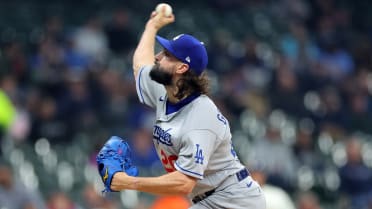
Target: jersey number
{"x":168,"y":161}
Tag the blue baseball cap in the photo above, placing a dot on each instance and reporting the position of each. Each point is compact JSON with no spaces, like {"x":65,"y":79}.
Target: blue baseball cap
{"x":188,"y":49}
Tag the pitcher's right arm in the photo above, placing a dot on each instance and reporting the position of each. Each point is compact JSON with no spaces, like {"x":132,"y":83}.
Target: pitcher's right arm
{"x":145,"y":51}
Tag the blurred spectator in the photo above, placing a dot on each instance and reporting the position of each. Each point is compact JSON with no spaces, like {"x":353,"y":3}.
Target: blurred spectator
{"x":119,"y":33}
{"x":116,"y":101}
{"x":75,"y":61}
{"x":54,"y":29}
{"x":256,"y":71}
{"x":305,"y":149}
{"x":13,"y":60}
{"x":13,"y":194}
{"x":321,"y":8}
{"x":285,"y":84}
{"x":90,"y":40}
{"x":218,"y":58}
{"x":334,"y":59}
{"x":360,"y":116}
{"x":333,"y":107}
{"x":47,"y":65}
{"x":93,"y":200}
{"x":251,"y":58}
{"x":233,"y":92}
{"x":356,"y":177}
{"x":275,"y":158}
{"x":362,"y":51}
{"x":276,"y":197}
{"x":308,"y":200}
{"x":20,"y":128}
{"x":7,"y":113}
{"x":333,"y":117}
{"x":60,"y":200}
{"x":48,"y":124}
{"x":76,"y":105}
{"x":11,"y":87}
{"x":299,"y":48}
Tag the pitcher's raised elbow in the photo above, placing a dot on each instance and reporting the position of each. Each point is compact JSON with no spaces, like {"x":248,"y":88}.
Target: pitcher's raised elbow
{"x":136,"y":68}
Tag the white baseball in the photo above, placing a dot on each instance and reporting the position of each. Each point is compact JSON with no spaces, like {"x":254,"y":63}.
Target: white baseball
{"x":168,"y":9}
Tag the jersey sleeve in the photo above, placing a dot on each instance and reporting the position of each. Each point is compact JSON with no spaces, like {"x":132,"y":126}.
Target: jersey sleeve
{"x":196,"y":149}
{"x":148,"y":91}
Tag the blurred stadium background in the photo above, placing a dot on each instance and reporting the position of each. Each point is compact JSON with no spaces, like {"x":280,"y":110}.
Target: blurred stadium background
{"x":293,"y":77}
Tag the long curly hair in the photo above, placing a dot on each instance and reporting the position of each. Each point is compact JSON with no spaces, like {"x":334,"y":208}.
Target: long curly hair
{"x":191,"y":83}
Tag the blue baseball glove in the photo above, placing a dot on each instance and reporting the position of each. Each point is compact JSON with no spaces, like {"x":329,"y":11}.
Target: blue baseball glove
{"x":114,"y":157}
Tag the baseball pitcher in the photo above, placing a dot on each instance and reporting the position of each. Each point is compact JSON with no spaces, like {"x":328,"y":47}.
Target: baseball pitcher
{"x":191,"y":136}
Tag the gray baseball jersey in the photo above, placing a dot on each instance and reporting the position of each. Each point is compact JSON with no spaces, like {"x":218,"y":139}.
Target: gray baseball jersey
{"x":191,"y":136}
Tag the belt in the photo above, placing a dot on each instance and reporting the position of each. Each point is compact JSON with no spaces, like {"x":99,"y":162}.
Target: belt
{"x":242,"y":174}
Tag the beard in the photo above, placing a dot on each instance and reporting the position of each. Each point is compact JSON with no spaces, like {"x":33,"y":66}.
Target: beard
{"x":161,"y":76}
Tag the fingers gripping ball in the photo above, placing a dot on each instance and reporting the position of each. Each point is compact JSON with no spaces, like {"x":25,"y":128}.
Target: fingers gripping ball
{"x":112,"y":158}
{"x":163,"y":7}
